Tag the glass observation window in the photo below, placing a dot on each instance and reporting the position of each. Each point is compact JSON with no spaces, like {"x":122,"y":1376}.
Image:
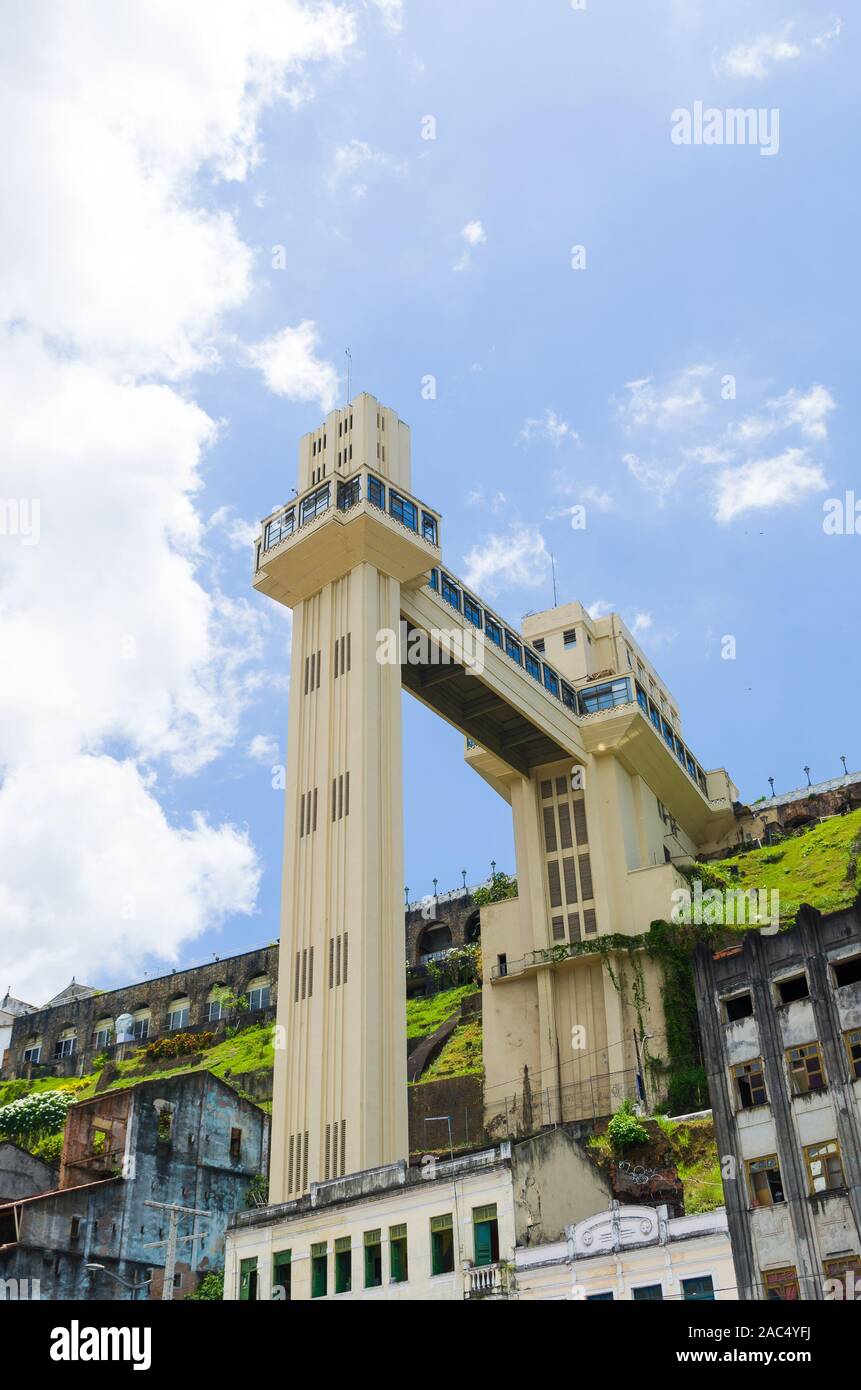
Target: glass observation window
{"x":279,"y":529}
{"x":471,"y":610}
{"x":569,"y":698}
{"x":551,"y":681}
{"x":376,"y":492}
{"x":429,"y":528}
{"x":434,"y":580}
{"x":403,"y":510}
{"x":513,"y":649}
{"x":605,"y":696}
{"x":533,"y":665}
{"x":493,"y":630}
{"x":642,"y":698}
{"x":450,"y":592}
{"x":315,"y":503}
{"x":348,"y":494}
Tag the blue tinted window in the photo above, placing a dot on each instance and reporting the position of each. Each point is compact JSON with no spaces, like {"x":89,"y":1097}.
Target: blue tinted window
{"x":403,"y":510}
{"x":551,"y":681}
{"x":493,"y":630}
{"x":471,"y":610}
{"x":376,"y":492}
{"x":450,"y":592}
{"x":533,"y":665}
{"x":513,"y":648}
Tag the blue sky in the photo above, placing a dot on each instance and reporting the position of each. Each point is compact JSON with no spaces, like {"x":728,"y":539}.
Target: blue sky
{"x":555,"y":386}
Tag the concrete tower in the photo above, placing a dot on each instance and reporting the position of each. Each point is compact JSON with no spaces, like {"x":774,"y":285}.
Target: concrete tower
{"x":339,"y":557}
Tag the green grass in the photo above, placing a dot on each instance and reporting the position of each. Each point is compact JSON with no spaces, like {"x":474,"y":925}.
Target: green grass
{"x":424,"y":1016}
{"x":461,"y":1054}
{"x":821,"y":867}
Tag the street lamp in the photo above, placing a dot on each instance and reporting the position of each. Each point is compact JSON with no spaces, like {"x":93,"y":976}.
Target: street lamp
{"x":845,"y":768}
{"x":809,"y":783}
{"x":771,"y":784}
{"x":117,"y":1278}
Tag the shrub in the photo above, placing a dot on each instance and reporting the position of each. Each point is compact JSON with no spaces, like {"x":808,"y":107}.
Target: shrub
{"x":34,"y":1116}
{"x":625,"y":1129}
{"x":210,"y":1289}
{"x":177,"y":1045}
{"x":500,"y":887}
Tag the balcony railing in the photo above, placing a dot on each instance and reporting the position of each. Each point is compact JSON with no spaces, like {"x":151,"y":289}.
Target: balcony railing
{"x":485,"y":1281}
{"x":344,"y":494}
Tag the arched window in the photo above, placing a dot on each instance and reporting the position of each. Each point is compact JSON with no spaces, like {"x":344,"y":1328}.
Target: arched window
{"x":178,"y":1012}
{"x":259,"y":992}
{"x":141,"y":1019}
{"x":218,"y":1003}
{"x":472,"y":929}
{"x":434,"y":942}
{"x":66,"y":1043}
{"x":33,"y":1049}
{"x":103,"y":1032}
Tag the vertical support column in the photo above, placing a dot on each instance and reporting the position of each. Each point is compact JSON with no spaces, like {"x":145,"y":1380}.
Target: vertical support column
{"x":340,"y":1101}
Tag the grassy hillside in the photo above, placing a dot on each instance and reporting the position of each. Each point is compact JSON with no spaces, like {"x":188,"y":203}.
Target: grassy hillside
{"x":461,"y":1054}
{"x":821,"y":867}
{"x":424,"y":1016}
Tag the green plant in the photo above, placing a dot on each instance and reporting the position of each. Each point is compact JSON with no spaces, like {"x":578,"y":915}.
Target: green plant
{"x":499,"y":889}
{"x":49,"y":1149}
{"x":625,"y":1129}
{"x":257,"y":1192}
{"x":210,"y":1289}
{"x":33,"y":1116}
{"x":177,"y":1045}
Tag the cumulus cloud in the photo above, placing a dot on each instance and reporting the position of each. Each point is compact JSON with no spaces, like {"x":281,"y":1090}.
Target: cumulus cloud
{"x":121,"y":654}
{"x":675,"y":405}
{"x":657,"y":478}
{"x":263,"y":749}
{"x":808,"y":410}
{"x":770,"y":482}
{"x":291,"y":367}
{"x":392,"y":12}
{"x":519,"y":558}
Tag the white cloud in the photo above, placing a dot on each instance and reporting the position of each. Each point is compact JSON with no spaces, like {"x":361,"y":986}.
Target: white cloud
{"x":600,"y":609}
{"x":708,"y":454}
{"x":773,"y":482}
{"x":291,"y":367}
{"x":657,"y":478}
{"x":120,"y":652}
{"x":828,"y":35}
{"x":550,"y":426}
{"x":356,"y":161}
{"x":640,"y":623}
{"x":263,"y":749}
{"x":517,"y":559}
{"x":808,"y":410}
{"x":474,"y":235}
{"x":392,"y":12}
{"x":677,"y":405}
{"x":755,"y":59}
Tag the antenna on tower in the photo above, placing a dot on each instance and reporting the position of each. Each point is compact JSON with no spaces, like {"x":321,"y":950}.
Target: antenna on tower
{"x":553,"y":568}
{"x":349,"y":357}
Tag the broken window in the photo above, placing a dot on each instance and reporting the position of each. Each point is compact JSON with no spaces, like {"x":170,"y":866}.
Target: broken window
{"x":739,"y":1006}
{"x":824,"y":1168}
{"x":781,"y":1284}
{"x":766,"y":1185}
{"x":164,"y":1130}
{"x":853,"y":1049}
{"x":750,"y":1084}
{"x":796,"y":987}
{"x":806,"y":1070}
{"x":235,"y":1145}
{"x":847,"y":972}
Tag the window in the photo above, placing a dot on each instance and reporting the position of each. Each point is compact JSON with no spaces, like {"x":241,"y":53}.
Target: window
{"x":140,"y":1024}
{"x":282,"y":1275}
{"x":806,"y":1070}
{"x":569,"y":639}
{"x":376,"y":492}
{"x":373,"y":1242}
{"x":398,"y":1261}
{"x":235,"y":1145}
{"x":403,"y":510}
{"x":450,"y":592}
{"x":824,"y":1168}
{"x":65,"y":1044}
{"x":348,"y":494}
{"x":847,"y":972}
{"x":653,"y":1292}
{"x":569,"y":699}
{"x":655,"y":716}
{"x":765,"y":1184}
{"x":599,"y":1298}
{"x":750,"y":1084}
{"x":512,"y":648}
{"x":794,"y":988}
{"x":642,"y":698}
{"x":485,"y":1231}
{"x":429,"y":528}
{"x":698,"y":1290}
{"x":740,"y":1006}
{"x":279,"y":529}
{"x":551,"y":682}
{"x":103,"y":1033}
{"x":217,"y":1003}
{"x":605,"y":696}
{"x":314,"y":504}
{"x":442,"y":1245}
{"x":178,"y":1014}
{"x":259,"y":992}
{"x":319,"y":1265}
{"x":781,"y":1284}
{"x":33,"y":1052}
{"x":471,"y":610}
{"x":502,"y":965}
{"x":434,"y":580}
{"x":343,"y":1264}
{"x":853,"y":1051}
{"x":493,"y":630}
{"x":248,"y":1280}
{"x":533,"y":665}
{"x":538,"y":644}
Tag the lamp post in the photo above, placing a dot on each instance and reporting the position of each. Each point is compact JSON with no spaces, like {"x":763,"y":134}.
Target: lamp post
{"x":118,"y":1279}
{"x":843,"y":761}
{"x":771,"y":784}
{"x":809,"y":783}
{"x":463,"y":871}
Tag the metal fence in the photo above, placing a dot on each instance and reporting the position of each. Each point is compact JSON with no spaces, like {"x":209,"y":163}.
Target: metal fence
{"x":529,"y":1110}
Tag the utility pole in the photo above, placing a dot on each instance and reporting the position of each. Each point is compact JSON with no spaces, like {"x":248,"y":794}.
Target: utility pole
{"x":175,"y":1211}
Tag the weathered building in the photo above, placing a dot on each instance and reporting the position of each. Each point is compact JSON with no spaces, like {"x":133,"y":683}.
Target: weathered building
{"x":188,"y":1139}
{"x":780,"y":1018}
{"x":22,"y":1174}
{"x":10,"y":1009}
{"x":63,"y":1038}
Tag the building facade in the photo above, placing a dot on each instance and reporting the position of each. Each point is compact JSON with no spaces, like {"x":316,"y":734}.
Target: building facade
{"x":188,"y":1139}
{"x":780,"y":1018}
{"x":64,"y":1037}
{"x":634,"y":1254}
